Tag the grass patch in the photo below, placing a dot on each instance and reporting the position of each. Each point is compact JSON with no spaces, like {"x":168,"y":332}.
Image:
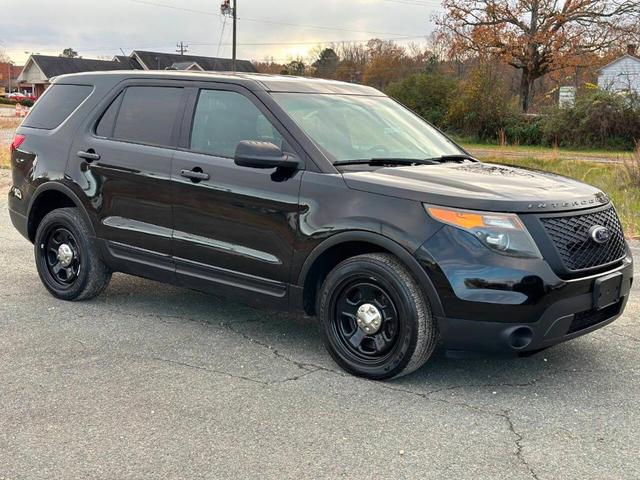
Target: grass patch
{"x":5,"y":157}
{"x":614,"y":179}
{"x":10,"y":123}
{"x":546,"y":152}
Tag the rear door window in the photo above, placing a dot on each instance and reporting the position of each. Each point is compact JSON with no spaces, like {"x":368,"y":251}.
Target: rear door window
{"x":55,"y":106}
{"x":146,"y":115}
{"x":223,"y":119}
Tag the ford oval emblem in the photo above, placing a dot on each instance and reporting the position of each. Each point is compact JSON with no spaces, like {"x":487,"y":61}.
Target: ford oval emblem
{"x":600,"y":234}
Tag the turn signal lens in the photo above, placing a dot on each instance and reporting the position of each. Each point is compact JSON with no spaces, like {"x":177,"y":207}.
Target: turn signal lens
{"x":17,"y":141}
{"x":465,"y":219}
{"x":501,"y":232}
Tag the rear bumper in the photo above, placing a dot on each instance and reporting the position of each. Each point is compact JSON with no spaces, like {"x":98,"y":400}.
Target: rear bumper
{"x":20,"y":222}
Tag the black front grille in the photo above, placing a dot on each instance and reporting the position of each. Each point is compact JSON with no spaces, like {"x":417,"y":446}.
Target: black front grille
{"x":590,"y":318}
{"x":572,"y":238}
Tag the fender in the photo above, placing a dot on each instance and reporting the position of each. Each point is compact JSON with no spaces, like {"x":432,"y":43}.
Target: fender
{"x":388,"y":244}
{"x":62,"y":188}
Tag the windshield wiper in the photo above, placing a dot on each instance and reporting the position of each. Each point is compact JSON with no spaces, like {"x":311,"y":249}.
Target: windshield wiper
{"x":388,"y":161}
{"x":458,"y":157}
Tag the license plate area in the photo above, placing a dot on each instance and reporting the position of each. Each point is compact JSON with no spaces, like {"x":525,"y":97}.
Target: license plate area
{"x":607,"y":290}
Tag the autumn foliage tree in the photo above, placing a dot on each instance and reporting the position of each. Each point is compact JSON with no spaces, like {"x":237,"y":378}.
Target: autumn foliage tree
{"x":537,"y":36}
{"x":387,"y":62}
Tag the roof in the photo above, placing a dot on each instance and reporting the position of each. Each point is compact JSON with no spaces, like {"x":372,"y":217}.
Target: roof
{"x":252,"y":81}
{"x":163,"y":61}
{"x":626,"y":55}
{"x":127,"y":61}
{"x":52,"y":66}
{"x":186,"y":66}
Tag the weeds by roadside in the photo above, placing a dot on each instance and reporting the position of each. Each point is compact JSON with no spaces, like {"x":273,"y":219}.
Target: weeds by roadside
{"x":5,"y":158}
{"x":632,"y":165}
{"x":614,"y":179}
{"x":9,"y":123}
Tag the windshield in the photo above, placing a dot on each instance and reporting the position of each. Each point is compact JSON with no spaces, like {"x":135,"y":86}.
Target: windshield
{"x":350,"y":127}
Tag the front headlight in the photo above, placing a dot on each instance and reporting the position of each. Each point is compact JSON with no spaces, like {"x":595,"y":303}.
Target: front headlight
{"x":503,"y":233}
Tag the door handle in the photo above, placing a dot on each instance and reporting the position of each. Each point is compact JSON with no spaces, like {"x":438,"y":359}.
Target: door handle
{"x":195,"y":175}
{"x":89,"y":155}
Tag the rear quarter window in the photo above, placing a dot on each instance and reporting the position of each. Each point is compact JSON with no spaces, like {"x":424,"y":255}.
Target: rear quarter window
{"x":55,"y":106}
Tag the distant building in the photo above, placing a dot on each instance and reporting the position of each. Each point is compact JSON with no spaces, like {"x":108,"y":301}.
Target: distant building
{"x":175,"y":61}
{"x":9,"y":74}
{"x":623,"y":74}
{"x":40,"y":69}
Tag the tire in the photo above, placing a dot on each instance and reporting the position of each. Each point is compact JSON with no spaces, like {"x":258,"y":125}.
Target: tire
{"x":394,"y":338}
{"x":86,"y":275}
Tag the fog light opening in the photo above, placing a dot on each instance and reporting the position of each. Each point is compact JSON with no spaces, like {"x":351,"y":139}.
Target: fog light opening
{"x":520,"y":338}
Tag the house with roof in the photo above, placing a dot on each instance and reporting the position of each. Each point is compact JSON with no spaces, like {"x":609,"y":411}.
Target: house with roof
{"x":9,"y":74}
{"x":40,"y":69}
{"x":623,"y":74}
{"x":175,"y":61}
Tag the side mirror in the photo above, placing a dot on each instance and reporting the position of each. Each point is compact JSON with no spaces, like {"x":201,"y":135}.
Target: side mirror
{"x":254,"y":154}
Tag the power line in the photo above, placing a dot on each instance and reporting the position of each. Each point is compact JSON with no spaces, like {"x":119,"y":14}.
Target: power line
{"x":433,"y":3}
{"x":313,"y":42}
{"x":245,"y":44}
{"x":272,"y":22}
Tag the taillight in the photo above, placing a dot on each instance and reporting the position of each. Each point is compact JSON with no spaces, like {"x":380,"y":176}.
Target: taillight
{"x":17,"y":141}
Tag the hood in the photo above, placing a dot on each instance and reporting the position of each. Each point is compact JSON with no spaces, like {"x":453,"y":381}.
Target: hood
{"x":479,"y":186}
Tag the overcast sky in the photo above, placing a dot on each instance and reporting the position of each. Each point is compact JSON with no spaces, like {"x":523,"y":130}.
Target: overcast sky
{"x":100,"y":28}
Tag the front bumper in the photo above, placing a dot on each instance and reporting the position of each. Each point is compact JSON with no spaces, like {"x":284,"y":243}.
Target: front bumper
{"x":497,"y":303}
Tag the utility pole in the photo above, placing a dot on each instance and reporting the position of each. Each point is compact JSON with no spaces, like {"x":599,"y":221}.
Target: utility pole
{"x":228,"y":9}
{"x":182,"y":48}
{"x":235,"y":22}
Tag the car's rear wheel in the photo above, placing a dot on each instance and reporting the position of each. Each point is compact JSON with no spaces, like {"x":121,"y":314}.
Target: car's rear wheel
{"x":68,"y":263}
{"x":376,"y":321}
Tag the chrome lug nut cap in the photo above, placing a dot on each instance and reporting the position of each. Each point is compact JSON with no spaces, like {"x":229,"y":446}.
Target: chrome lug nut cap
{"x":65,"y":255}
{"x":369,"y":318}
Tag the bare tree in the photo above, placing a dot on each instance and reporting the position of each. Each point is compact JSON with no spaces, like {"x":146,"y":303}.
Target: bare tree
{"x":538,"y":36}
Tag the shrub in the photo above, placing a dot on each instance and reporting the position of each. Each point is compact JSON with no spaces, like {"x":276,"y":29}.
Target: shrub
{"x":428,"y":94}
{"x":599,"y":119}
{"x":482,"y":105}
{"x":524,"y":130}
{"x":7,"y":101}
{"x":26,"y":102}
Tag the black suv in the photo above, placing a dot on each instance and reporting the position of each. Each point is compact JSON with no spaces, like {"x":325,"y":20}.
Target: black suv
{"x":315,"y":196}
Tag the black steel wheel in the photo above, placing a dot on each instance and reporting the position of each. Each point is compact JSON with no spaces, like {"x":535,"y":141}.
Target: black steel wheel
{"x":62,"y":255}
{"x":376,"y":320}
{"x":365,"y":319}
{"x":67,"y":260}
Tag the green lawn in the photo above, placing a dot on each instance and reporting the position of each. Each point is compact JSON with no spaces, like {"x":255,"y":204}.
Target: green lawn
{"x":611,"y":178}
{"x":545,"y":152}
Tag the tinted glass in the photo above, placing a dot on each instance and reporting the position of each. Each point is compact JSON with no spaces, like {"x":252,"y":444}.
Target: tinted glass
{"x":55,"y":106}
{"x":108,"y":120}
{"x":147,"y":115}
{"x":353,"y":127}
{"x":224,"y":119}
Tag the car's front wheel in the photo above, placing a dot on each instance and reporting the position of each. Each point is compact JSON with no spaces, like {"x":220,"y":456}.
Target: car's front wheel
{"x":68,"y":262}
{"x":376,"y":321}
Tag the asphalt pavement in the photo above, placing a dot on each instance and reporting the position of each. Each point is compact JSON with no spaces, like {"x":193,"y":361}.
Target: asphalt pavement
{"x":152,"y":381}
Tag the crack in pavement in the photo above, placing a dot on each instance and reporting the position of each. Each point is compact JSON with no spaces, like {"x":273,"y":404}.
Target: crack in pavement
{"x":207,"y":369}
{"x":231,"y":375}
{"x":502,"y":414}
{"x":506,"y":414}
